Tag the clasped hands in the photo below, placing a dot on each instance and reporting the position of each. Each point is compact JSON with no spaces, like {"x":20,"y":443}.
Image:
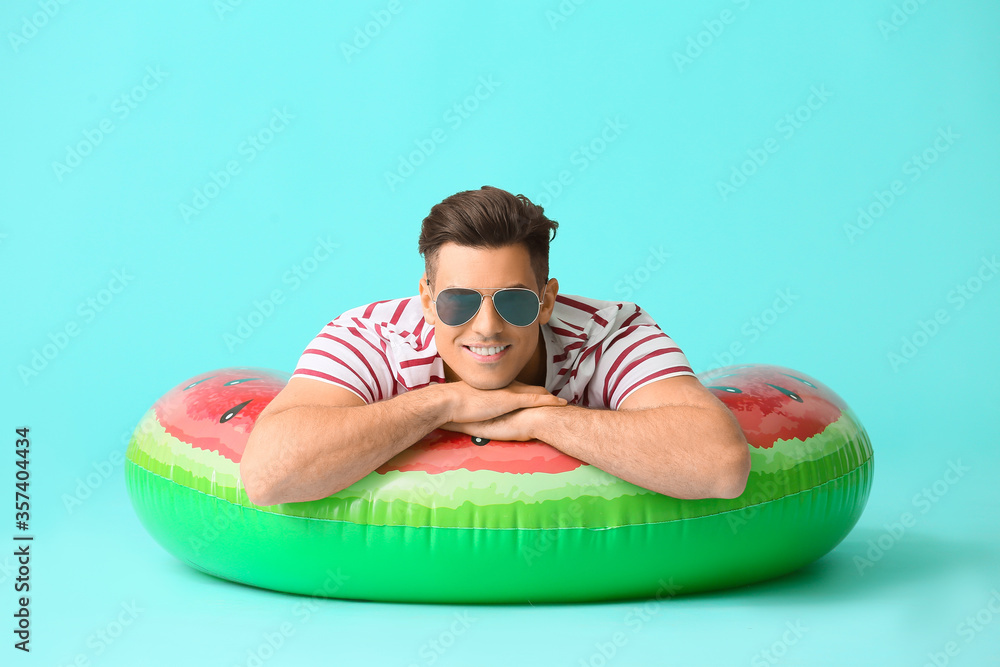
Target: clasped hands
{"x":509,"y":413}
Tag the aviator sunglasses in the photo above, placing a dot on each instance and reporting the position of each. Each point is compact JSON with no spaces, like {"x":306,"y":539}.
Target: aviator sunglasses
{"x":457,"y":305}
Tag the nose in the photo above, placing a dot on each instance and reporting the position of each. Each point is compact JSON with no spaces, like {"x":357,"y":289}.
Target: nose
{"x":487,"y":321}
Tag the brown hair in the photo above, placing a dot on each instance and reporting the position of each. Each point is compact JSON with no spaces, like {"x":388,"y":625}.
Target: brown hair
{"x":488,"y":218}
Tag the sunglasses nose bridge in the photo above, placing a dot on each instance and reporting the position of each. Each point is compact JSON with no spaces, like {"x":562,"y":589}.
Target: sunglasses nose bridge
{"x":493,"y":307}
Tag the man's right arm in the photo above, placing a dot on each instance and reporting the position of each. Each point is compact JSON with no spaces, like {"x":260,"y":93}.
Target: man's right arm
{"x":307,"y":448}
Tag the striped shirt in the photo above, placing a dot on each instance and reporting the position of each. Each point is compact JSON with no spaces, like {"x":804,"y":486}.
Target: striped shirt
{"x":597,"y":352}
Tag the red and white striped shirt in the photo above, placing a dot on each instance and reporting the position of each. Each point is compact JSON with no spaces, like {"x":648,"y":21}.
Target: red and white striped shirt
{"x":597,"y":352}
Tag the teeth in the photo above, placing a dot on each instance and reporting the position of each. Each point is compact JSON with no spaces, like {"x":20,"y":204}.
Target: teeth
{"x":487,"y":351}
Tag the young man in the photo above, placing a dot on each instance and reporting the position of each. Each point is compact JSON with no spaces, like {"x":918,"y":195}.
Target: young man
{"x":490,"y":348}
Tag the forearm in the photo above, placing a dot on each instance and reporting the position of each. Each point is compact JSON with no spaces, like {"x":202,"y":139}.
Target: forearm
{"x":678,"y":450}
{"x":311,"y":452}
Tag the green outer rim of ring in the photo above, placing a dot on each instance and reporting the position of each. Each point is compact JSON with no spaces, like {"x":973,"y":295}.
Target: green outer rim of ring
{"x":431,"y":564}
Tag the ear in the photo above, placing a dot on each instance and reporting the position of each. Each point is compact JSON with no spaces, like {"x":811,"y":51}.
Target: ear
{"x":425,"y":300}
{"x":548,"y":300}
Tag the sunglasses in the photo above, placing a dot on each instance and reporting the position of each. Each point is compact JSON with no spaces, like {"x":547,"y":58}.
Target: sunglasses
{"x":457,"y":305}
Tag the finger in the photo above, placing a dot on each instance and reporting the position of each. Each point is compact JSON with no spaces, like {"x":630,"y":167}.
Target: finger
{"x":544,"y":399}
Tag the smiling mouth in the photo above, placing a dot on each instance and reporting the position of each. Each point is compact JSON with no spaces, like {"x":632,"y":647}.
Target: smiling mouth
{"x":487,"y":353}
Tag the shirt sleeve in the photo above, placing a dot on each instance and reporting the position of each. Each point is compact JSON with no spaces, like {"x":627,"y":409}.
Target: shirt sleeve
{"x":636,"y":352}
{"x":348,"y":354}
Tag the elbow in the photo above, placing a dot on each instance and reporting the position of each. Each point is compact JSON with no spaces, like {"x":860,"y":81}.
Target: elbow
{"x":269,"y":478}
{"x":260,"y":488}
{"x":258,"y":491}
{"x":264,"y":492}
{"x":732,"y":480}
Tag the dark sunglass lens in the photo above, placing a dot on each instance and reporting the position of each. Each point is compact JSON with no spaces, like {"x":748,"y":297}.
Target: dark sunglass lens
{"x":517,"y":306}
{"x":456,"y":306}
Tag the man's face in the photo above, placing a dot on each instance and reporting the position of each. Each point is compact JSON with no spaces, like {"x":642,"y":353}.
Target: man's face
{"x":487,"y":270}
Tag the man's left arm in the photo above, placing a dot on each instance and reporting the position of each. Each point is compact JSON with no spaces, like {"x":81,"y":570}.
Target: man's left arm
{"x":671,"y":436}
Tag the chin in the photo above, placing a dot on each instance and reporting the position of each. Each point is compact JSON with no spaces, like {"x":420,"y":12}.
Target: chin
{"x":488,"y":385}
{"x":485,"y":381}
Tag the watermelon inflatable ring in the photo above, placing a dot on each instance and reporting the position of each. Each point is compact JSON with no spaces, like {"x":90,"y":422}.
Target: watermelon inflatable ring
{"x":459,"y":519}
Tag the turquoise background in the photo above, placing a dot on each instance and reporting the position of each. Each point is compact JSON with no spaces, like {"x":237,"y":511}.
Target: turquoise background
{"x":893,"y":78}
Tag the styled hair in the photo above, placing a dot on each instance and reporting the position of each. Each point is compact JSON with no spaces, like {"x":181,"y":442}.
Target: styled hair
{"x":488,"y":218}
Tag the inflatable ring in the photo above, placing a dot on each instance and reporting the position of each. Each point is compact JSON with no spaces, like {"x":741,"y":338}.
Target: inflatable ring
{"x":459,"y":519}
